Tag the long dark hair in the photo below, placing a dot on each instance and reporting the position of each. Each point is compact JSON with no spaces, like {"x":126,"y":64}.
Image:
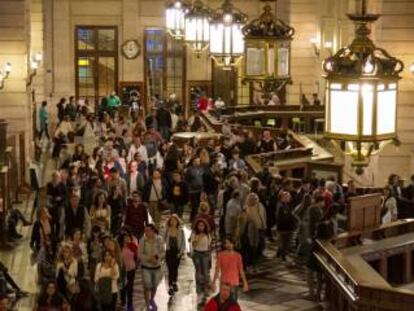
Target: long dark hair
{"x":96,"y":202}
{"x":206,"y":227}
{"x":55,"y":301}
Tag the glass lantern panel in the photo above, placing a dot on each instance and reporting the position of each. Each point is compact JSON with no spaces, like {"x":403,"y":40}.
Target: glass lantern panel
{"x":203,"y":30}
{"x":255,"y":65}
{"x":283,"y":62}
{"x":238,"y":39}
{"x":271,"y":61}
{"x":386,"y":112}
{"x":344,"y":112}
{"x":174,"y":18}
{"x":170,"y":18}
{"x":368,"y":107}
{"x":227,"y":40}
{"x":216,"y":40}
{"x":190,"y":29}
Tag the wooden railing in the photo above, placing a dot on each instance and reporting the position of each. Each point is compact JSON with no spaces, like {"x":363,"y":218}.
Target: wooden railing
{"x":305,"y":156}
{"x":346,"y":289}
{"x":245,"y":108}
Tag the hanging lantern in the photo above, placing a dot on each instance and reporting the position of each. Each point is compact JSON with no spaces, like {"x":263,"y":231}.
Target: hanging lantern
{"x":197,"y":27}
{"x":267,"y":51}
{"x":361,"y":94}
{"x":175,"y":18}
{"x":226,"y":37}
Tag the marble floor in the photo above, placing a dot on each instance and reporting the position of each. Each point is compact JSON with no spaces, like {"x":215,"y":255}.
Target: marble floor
{"x":276,"y":286}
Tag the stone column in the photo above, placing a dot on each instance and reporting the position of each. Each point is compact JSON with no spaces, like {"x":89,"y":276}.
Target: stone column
{"x":3,"y":141}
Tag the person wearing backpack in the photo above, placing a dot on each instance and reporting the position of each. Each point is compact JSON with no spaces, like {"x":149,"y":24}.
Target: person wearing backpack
{"x":286,"y":223}
{"x":106,"y":280}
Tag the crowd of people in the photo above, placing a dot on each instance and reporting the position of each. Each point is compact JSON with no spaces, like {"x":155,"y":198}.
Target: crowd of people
{"x":124,"y":199}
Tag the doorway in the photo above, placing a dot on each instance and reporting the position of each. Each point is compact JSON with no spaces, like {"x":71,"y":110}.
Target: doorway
{"x":96,"y":62}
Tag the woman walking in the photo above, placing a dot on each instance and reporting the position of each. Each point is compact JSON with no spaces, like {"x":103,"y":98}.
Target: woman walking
{"x":129,"y":255}
{"x":229,"y":267}
{"x":175,"y":246}
{"x":106,"y":280}
{"x":201,"y":246}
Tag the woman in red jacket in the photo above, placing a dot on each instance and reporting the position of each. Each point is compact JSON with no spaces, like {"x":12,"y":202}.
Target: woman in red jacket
{"x":223,"y":301}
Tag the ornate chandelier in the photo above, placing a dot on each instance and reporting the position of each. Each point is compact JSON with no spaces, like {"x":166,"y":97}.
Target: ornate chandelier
{"x":361,"y":94}
{"x":197,"y":27}
{"x":226,"y":37}
{"x":267,"y":51}
{"x":175,"y":18}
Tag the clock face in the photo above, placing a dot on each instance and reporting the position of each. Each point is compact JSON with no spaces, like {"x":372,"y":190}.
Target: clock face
{"x":131,"y":49}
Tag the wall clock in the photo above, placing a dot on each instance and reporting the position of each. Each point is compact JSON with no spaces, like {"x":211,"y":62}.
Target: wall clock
{"x":131,"y":49}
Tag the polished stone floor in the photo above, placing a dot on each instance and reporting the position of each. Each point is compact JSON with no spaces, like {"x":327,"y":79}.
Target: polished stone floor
{"x":276,"y":286}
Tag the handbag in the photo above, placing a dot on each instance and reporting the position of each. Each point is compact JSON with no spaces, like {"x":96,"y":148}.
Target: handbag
{"x":162,"y":205}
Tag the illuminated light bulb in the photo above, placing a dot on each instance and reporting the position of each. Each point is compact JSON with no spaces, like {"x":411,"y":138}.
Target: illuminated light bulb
{"x":34,"y":65}
{"x":313,"y":40}
{"x":178,"y":5}
{"x":38,"y":57}
{"x":368,"y":67}
{"x":8,"y":68}
{"x":328,"y":44}
{"x":412,"y":68}
{"x":227,"y":18}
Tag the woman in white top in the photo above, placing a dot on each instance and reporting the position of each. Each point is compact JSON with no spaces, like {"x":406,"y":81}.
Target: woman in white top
{"x":79,"y":251}
{"x":107,"y":270}
{"x":201,"y":254}
{"x":67,"y":271}
{"x":389,"y":207}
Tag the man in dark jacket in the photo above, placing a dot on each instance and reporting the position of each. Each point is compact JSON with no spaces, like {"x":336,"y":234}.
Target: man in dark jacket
{"x":74,"y":216}
{"x":164,"y":122}
{"x":136,"y":216}
{"x":194,"y":179}
{"x":178,"y":195}
{"x":155,"y":195}
{"x":152,"y":119}
{"x":134,"y":179}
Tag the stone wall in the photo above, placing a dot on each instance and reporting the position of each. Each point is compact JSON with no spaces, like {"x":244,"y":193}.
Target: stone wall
{"x":14,"y":48}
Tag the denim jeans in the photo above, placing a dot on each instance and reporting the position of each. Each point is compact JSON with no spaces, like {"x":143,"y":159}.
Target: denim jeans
{"x":202,"y":270}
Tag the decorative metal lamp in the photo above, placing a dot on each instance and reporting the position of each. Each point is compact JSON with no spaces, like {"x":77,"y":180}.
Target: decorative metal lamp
{"x":34,"y":65}
{"x":226,"y":37}
{"x":4,"y":74}
{"x":267,"y":51}
{"x":175,"y":18}
{"x":361,"y":94}
{"x":197,"y":27}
